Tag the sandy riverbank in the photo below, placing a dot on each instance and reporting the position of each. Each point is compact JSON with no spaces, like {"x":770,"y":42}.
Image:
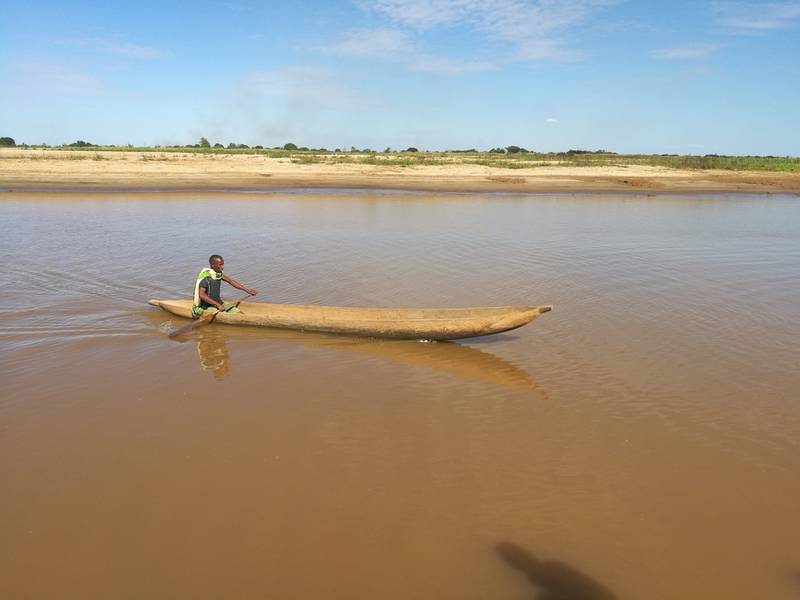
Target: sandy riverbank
{"x":54,"y":170}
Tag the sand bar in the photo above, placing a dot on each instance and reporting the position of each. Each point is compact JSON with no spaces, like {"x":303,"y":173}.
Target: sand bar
{"x":27,"y":170}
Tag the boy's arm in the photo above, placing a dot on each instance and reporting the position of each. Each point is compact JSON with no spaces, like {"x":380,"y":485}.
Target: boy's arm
{"x":238,"y":285}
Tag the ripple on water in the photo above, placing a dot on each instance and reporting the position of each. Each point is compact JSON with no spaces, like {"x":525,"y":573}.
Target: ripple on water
{"x":666,"y":374}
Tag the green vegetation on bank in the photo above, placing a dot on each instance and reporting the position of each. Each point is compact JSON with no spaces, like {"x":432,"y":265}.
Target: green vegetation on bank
{"x":509,"y":157}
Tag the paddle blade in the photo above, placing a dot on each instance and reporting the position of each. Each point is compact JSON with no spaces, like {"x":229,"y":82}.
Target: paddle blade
{"x":190,"y":326}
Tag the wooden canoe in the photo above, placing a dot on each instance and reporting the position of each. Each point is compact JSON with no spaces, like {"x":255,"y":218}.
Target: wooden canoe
{"x":398,"y":323}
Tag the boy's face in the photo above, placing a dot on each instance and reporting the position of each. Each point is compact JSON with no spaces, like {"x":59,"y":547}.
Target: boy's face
{"x":218,"y":264}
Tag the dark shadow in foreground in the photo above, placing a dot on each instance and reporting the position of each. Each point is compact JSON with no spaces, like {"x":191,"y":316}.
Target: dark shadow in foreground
{"x":554,"y":580}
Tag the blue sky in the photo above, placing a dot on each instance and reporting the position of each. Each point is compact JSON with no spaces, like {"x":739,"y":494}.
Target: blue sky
{"x":687,"y":77}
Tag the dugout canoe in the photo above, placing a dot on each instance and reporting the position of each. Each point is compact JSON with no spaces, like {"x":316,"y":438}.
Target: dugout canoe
{"x":397,"y":323}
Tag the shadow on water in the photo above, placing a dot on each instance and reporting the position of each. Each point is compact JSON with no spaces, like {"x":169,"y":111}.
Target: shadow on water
{"x":554,"y":580}
{"x":453,"y":359}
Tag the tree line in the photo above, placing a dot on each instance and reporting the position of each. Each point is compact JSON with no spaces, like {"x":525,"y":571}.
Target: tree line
{"x":290,"y":146}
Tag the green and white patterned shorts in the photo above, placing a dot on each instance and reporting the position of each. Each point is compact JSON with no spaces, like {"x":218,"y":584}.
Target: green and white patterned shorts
{"x":198,"y":312}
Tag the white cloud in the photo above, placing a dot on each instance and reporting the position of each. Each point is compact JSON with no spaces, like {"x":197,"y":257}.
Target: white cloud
{"x":374,"y":43}
{"x":699,"y":71}
{"x":686,"y":52}
{"x":448,"y":66}
{"x":507,"y":18}
{"x":421,"y":14}
{"x":756,"y":18}
{"x":551,"y":120}
{"x":125,"y":49}
{"x":238,"y":7}
{"x":313,"y":87}
{"x":535,"y":30}
{"x":398,"y":46}
{"x":53,"y":79}
{"x":133,"y":51}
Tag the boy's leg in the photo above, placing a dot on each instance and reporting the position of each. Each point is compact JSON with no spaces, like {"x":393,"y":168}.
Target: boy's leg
{"x":230,"y":308}
{"x":198,"y":312}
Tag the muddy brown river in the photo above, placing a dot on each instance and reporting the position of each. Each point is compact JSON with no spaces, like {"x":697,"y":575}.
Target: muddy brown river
{"x":641,"y":441}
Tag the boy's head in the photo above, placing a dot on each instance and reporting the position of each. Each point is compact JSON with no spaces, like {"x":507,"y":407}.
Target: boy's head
{"x":216,"y":262}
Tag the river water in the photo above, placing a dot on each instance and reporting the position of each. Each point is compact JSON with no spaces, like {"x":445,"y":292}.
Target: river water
{"x":640,"y":441}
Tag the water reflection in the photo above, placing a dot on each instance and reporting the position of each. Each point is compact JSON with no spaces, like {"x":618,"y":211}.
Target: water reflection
{"x":445,"y":357}
{"x":463,"y":362}
{"x":554,"y":580}
{"x":212,"y":349}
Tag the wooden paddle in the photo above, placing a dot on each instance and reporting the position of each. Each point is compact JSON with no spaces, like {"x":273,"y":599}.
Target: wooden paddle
{"x":204,"y":321}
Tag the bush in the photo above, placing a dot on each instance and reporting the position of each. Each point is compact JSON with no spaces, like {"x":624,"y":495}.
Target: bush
{"x":411,"y":149}
{"x":7,"y":141}
{"x":589,"y":152}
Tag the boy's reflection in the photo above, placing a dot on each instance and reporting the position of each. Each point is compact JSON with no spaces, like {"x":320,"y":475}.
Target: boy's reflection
{"x":213,"y":352}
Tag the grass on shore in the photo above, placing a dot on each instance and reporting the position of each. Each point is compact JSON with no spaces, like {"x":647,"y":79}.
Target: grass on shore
{"x":523,"y":160}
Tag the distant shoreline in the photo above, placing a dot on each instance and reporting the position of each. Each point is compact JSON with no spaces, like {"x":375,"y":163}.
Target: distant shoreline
{"x":51,"y":171}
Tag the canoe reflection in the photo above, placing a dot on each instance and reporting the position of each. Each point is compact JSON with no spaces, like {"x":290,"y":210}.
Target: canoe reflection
{"x":445,"y":357}
{"x":451,"y":358}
